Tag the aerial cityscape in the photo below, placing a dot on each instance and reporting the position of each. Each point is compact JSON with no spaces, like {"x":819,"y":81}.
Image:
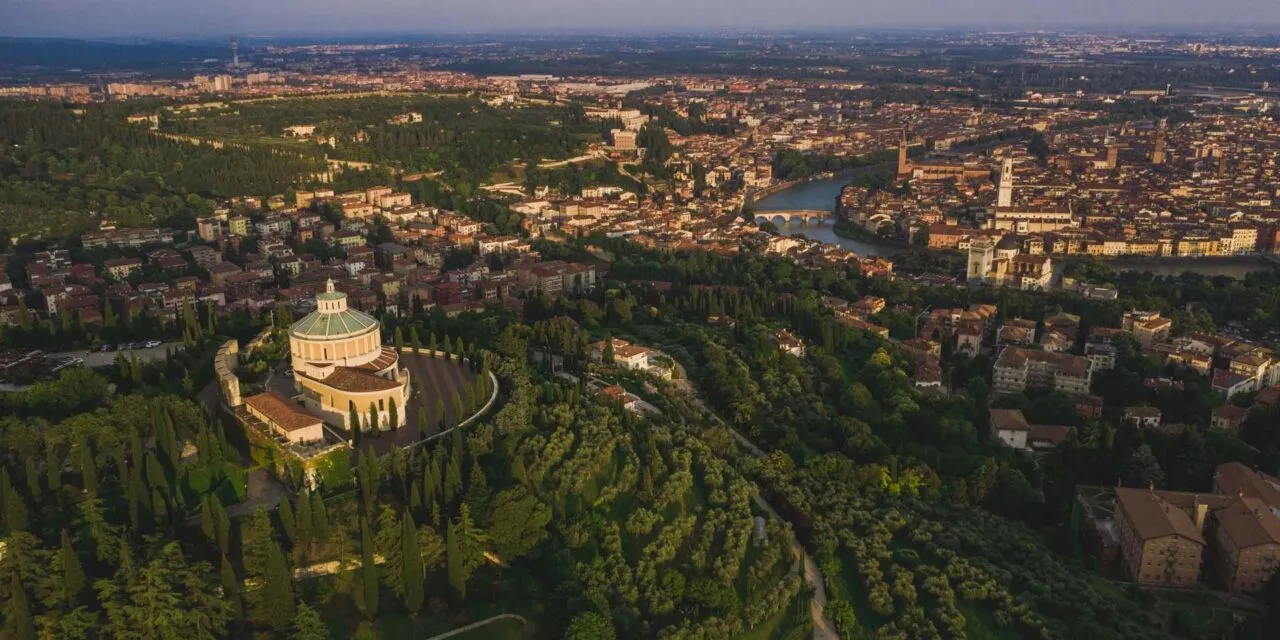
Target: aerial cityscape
{"x":329,"y":321}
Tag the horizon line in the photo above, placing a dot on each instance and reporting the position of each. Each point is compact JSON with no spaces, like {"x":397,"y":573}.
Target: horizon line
{"x":1256,"y":29}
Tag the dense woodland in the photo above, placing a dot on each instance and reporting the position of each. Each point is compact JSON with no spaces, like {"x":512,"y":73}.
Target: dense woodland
{"x":121,"y":519}
{"x":919,"y":479}
{"x":463,"y":138}
{"x":63,"y":170}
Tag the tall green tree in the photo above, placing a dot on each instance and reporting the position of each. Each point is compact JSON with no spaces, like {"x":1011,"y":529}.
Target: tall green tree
{"x":165,"y":598}
{"x":19,"y":623}
{"x":413,"y":571}
{"x":73,"y":577}
{"x":367,"y":588}
{"x":304,"y":522}
{"x":308,"y":625}
{"x":288,"y":521}
{"x":232,"y":589}
{"x":274,"y":603}
{"x":320,"y":514}
{"x":354,"y":421}
{"x":453,"y":556}
{"x":386,"y":544}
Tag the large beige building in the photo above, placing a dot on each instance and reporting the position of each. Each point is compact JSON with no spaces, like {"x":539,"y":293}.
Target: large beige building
{"x":339,"y":364}
{"x":1018,"y":368}
{"x":1159,"y":542}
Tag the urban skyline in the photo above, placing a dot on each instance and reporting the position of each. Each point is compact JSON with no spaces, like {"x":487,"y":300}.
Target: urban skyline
{"x":184,"y":18}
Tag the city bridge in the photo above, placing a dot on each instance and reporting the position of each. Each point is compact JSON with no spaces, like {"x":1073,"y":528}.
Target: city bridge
{"x":802,"y":216}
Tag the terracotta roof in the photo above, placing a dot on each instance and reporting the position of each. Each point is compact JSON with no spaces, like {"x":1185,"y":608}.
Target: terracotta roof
{"x":1049,"y":433}
{"x":1141,"y":412}
{"x":1009,"y":420}
{"x":1152,"y":517}
{"x":1249,"y":523}
{"x":1233,"y":477}
{"x":1230,"y":412}
{"x":356,"y":380}
{"x":281,"y":411}
{"x":385,"y":359}
{"x":627,"y":352}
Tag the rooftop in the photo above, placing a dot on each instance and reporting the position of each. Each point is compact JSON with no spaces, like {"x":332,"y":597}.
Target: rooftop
{"x":1153,"y":517}
{"x":332,"y":318}
{"x":356,"y":380}
{"x":281,"y":411}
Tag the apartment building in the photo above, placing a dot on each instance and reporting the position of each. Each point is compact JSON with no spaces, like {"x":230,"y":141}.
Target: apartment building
{"x":1160,"y":544}
{"x":1148,"y":326}
{"x":1165,"y":536}
{"x":1244,"y":544}
{"x":1018,"y":369}
{"x":122,"y":268}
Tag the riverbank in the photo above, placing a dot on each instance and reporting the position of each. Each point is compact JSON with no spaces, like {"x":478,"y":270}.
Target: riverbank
{"x":852,"y":231}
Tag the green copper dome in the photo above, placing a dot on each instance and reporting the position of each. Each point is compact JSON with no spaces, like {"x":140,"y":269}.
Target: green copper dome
{"x":319,"y":324}
{"x":332,"y":318}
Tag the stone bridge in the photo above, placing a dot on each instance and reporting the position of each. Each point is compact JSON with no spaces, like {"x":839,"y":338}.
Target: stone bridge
{"x":802,"y":216}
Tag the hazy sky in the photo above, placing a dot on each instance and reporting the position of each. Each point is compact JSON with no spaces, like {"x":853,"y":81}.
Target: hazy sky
{"x":332,"y":17}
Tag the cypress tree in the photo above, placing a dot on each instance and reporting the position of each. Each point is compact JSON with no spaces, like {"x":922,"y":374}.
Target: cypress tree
{"x":33,"y":479}
{"x":222,"y":524}
{"x":230,"y":586}
{"x":53,"y":468}
{"x":422,"y":422}
{"x":457,"y":409}
{"x":15,"y":509}
{"x":453,"y":557}
{"x":393,"y":415}
{"x":414,"y":341}
{"x":415,"y":498}
{"x":431,"y":345}
{"x":303,"y":522}
{"x":206,"y":521}
{"x":471,"y":400}
{"x":88,"y":469}
{"x":477,"y":482}
{"x":411,"y":555}
{"x":452,"y":480}
{"x":21,"y":624}
{"x":354,"y":421}
{"x":275,"y":604}
{"x":440,"y":419}
{"x":374,"y":425}
{"x":156,"y":477}
{"x":159,"y":508}
{"x":73,"y":578}
{"x":287,"y":521}
{"x":367,"y":593}
{"x":320,"y":529}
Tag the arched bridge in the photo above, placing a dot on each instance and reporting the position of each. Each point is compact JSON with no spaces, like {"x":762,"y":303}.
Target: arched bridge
{"x":802,"y":216}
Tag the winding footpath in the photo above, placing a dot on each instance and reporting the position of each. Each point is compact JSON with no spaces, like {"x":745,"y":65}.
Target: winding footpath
{"x":823,"y":629}
{"x":477,"y":625}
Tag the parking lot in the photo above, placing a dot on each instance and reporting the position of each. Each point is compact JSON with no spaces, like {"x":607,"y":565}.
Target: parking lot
{"x":98,"y":358}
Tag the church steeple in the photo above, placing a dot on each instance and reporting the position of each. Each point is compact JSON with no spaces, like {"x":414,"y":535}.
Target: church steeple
{"x":904,"y":165}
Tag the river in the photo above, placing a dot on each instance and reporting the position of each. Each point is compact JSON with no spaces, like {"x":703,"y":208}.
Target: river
{"x":822,"y":194}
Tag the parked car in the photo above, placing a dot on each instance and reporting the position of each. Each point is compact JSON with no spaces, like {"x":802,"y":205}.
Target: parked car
{"x":153,"y":343}
{"x":107,"y":347}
